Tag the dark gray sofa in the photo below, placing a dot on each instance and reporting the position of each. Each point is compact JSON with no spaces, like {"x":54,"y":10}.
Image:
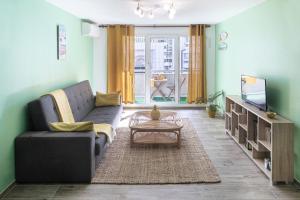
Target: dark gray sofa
{"x":42,"y":156}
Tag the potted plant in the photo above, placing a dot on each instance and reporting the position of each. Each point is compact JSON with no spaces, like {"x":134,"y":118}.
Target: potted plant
{"x":212,"y":106}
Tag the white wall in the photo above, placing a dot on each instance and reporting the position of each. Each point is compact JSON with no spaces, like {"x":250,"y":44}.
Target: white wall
{"x":100,"y":55}
{"x":100,"y":62}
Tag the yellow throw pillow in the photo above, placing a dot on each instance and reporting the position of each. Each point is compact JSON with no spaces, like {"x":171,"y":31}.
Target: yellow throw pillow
{"x":70,"y":127}
{"x":111,"y":99}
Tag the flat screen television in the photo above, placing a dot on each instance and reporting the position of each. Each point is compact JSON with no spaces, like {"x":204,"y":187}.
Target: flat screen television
{"x":253,"y":91}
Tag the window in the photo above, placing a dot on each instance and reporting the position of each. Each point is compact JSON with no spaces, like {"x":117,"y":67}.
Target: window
{"x":140,"y":61}
{"x":162,"y":55}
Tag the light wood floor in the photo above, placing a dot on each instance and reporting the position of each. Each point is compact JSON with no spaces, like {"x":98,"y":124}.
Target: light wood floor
{"x":241,"y":179}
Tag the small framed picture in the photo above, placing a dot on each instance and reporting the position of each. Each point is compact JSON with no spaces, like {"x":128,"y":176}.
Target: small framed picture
{"x":61,"y":42}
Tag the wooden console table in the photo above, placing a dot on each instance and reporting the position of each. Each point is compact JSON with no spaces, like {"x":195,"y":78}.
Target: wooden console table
{"x":248,"y":126}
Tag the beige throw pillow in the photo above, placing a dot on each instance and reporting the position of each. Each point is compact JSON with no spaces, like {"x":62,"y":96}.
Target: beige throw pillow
{"x":111,"y":99}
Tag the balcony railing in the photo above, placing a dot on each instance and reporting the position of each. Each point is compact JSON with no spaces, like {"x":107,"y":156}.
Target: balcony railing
{"x":162,"y":86}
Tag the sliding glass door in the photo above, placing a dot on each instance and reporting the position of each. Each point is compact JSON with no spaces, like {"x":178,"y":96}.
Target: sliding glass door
{"x":140,"y":70}
{"x":161,"y":68}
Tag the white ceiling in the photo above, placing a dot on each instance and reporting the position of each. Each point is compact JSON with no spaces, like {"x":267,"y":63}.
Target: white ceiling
{"x":188,"y":11}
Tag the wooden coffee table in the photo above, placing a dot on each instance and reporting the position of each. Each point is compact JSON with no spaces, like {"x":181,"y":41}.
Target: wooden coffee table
{"x":144,"y":130}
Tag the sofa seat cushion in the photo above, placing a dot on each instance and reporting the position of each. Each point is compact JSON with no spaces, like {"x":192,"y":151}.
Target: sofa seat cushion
{"x":107,"y":115}
{"x":100,"y":143}
{"x":100,"y":148}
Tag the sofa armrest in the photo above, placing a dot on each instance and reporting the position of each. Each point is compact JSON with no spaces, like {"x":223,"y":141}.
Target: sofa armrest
{"x":55,"y":157}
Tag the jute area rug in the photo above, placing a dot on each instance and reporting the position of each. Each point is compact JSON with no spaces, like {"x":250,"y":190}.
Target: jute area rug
{"x":156,"y":164}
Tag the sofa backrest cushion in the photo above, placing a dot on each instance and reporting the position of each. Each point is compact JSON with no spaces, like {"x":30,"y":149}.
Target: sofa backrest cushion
{"x":81,"y":99}
{"x":43,"y":111}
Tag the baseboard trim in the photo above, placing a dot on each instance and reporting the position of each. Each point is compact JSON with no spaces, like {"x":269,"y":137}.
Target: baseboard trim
{"x":7,"y":189}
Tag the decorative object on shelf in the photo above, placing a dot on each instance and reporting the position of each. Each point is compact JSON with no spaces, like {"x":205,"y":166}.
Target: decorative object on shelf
{"x":155,"y":113}
{"x":236,"y":132}
{"x":244,"y":111}
{"x":271,"y":115}
{"x":231,"y":107}
{"x":142,"y":10}
{"x":267,"y":163}
{"x":61,"y":42}
{"x":212,"y":106}
{"x":268,"y":134}
{"x":248,"y":146}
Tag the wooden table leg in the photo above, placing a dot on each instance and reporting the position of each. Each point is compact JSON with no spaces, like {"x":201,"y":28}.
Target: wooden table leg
{"x":131,"y":138}
{"x":178,"y":140}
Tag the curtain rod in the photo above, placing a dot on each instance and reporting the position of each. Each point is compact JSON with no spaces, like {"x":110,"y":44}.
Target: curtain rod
{"x":156,"y":26}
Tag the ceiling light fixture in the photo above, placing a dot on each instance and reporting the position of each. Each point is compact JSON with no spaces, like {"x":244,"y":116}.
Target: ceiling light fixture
{"x":151,"y":16}
{"x":172,"y":11}
{"x":137,"y":10}
{"x":141,"y":11}
{"x":166,"y":7}
{"x":142,"y":14}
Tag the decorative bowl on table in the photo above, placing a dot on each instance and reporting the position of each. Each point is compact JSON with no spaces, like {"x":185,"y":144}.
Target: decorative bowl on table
{"x":271,"y":115}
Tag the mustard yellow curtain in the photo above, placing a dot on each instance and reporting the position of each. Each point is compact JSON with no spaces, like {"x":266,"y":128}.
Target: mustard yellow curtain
{"x":120,"y":62}
{"x":197,"y":73}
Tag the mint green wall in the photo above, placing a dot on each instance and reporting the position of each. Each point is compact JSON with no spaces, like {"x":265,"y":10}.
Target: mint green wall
{"x":265,"y":41}
{"x":29,"y":68}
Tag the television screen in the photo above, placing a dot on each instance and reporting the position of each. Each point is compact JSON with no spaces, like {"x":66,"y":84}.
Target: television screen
{"x":253,"y":91}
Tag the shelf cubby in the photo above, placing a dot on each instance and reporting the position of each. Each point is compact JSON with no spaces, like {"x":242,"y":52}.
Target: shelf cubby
{"x":261,"y":138}
{"x":242,"y":136}
{"x":234,"y":124}
{"x":252,"y":127}
{"x":243,"y":118}
{"x":264,"y":134}
{"x":237,"y":108}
